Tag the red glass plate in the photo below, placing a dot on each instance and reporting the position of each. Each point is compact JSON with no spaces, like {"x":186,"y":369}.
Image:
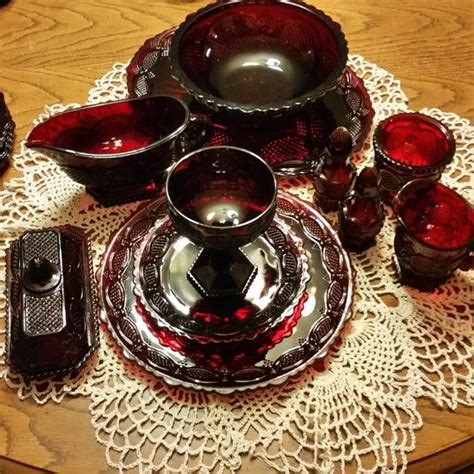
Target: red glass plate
{"x":275,"y":355}
{"x":292,"y":147}
{"x":173,"y":303}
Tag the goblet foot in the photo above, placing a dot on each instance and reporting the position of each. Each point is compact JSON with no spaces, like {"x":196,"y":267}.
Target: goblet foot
{"x":217,"y":273}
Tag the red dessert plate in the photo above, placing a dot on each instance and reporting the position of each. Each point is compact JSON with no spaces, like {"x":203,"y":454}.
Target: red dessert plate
{"x":170,"y":299}
{"x":272,"y":356}
{"x":290,"y":147}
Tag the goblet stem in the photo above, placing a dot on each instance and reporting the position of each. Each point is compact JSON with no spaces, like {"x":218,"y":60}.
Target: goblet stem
{"x":222,"y":272}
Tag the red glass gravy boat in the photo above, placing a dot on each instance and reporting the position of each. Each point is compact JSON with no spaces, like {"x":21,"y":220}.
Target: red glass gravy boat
{"x":118,"y":150}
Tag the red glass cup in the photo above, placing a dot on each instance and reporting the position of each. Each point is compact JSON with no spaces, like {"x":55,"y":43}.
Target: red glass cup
{"x":257,"y":59}
{"x":434,"y":235}
{"x":409,"y":146}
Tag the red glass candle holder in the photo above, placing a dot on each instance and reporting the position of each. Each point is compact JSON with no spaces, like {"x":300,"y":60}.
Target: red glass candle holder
{"x":434,"y":235}
{"x":409,"y":146}
{"x":221,"y":198}
{"x":258,"y":58}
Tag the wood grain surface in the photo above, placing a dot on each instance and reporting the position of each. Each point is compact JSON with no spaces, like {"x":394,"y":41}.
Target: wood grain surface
{"x":53,"y":50}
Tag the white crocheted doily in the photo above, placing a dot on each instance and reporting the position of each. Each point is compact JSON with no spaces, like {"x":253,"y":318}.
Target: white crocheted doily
{"x":361,"y":408}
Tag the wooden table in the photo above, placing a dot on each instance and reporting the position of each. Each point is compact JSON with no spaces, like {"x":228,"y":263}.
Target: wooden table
{"x":53,"y":50}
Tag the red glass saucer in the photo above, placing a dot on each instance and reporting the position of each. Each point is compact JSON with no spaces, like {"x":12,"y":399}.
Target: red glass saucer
{"x":225,"y":356}
{"x":293,"y":146}
{"x":280,"y":353}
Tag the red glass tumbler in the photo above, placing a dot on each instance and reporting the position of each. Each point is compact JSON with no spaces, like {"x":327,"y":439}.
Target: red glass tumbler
{"x":434,"y":235}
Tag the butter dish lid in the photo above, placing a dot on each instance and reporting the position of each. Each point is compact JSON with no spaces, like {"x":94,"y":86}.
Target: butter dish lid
{"x":52,"y":325}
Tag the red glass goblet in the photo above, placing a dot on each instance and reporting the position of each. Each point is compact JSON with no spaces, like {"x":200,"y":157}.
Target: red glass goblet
{"x":221,"y":198}
{"x":409,"y":146}
{"x":434,"y":235}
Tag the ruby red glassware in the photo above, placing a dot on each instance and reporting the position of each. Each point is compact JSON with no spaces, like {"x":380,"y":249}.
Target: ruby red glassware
{"x":291,"y":148}
{"x":409,"y":146}
{"x":334,"y":174}
{"x":164,"y":289}
{"x":327,"y":308}
{"x":258,"y":58}
{"x":221,"y":356}
{"x":52,"y":325}
{"x":221,"y":198}
{"x":7,"y":129}
{"x":361,"y":215}
{"x":434,"y":235}
{"x":118,"y":150}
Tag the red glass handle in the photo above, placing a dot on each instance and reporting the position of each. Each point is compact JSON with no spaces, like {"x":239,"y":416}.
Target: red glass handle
{"x":197,"y":133}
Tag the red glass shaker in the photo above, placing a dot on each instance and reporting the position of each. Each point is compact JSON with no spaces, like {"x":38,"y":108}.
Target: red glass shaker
{"x":334,"y":174}
{"x":361,"y":215}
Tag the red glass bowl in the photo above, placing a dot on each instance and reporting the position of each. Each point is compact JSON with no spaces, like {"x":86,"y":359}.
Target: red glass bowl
{"x":435,"y":232}
{"x":221,"y":197}
{"x":258,"y":58}
{"x":409,"y":146}
{"x":290,"y":149}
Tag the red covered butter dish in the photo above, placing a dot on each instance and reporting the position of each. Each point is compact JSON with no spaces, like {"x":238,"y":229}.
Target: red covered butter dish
{"x":52,"y":325}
